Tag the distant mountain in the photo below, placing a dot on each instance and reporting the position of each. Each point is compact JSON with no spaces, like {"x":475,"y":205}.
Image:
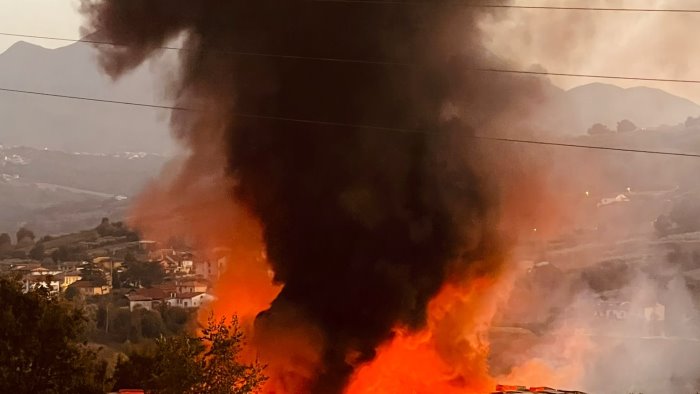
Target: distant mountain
{"x":574,"y":111}
{"x":77,"y":126}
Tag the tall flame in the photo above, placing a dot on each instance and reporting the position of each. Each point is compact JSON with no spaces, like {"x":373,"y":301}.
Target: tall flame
{"x":449,"y":356}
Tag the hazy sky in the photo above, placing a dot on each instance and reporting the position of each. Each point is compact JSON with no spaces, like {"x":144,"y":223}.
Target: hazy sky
{"x":639,"y":44}
{"x":635,"y":44}
{"x":57,"y":18}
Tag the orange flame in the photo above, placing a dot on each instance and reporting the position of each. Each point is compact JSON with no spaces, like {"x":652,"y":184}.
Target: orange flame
{"x":245,"y":283}
{"x":449,"y":356}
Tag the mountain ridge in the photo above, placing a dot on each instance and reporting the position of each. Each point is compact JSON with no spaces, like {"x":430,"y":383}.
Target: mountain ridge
{"x":71,"y":125}
{"x":75,"y":126}
{"x":576,"y":109}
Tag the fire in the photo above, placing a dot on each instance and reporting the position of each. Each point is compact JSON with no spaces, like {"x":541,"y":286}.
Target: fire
{"x":225,"y":234}
{"x":410,"y":363}
{"x":450,"y":355}
{"x":245,"y":284}
{"x":245,"y":287}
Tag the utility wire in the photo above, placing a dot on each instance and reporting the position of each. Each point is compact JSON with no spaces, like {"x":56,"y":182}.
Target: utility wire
{"x":216,"y":50}
{"x":93,"y":99}
{"x":513,"y":6}
{"x":581,"y":146}
{"x":360,"y":61}
{"x":601,"y":76}
{"x":350,"y":125}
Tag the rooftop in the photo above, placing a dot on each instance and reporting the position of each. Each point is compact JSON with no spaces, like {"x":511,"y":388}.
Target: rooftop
{"x":136,"y":297}
{"x":84,"y":284}
{"x":189,"y":295}
{"x":153,"y":293}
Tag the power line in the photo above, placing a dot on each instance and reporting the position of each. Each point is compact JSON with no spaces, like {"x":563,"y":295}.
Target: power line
{"x":351,"y":125}
{"x":601,"y":76}
{"x":215,"y":50}
{"x":512,"y":6}
{"x":375,"y":62}
{"x":580,"y":146}
{"x":93,"y":99}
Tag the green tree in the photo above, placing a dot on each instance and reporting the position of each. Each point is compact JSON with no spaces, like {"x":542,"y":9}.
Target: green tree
{"x":116,"y":229}
{"x":129,"y":258}
{"x":25,"y":236}
{"x":120,"y":326}
{"x":691,"y":122}
{"x":685,"y":213}
{"x":625,"y":126}
{"x":178,"y":365}
{"x":5,"y":245}
{"x":5,"y":240}
{"x":144,"y":274}
{"x":599,"y":129}
{"x":37,"y":252}
{"x":135,"y":371}
{"x":106,"y":228}
{"x":41,"y":352}
{"x":60,"y":255}
{"x":69,"y":253}
{"x":222,"y":369}
{"x":176,"y":319}
{"x":151,"y":323}
{"x":208,"y":364}
{"x":71,"y":293}
{"x":663,"y":225}
{"x":94,"y":274}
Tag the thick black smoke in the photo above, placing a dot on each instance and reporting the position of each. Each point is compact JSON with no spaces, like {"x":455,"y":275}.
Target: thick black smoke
{"x":362,"y":225}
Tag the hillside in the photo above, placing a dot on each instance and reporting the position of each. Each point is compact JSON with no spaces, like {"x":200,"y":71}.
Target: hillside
{"x":55,"y":192}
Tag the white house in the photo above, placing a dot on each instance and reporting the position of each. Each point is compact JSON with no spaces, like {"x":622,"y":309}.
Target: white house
{"x":192,"y":286}
{"x":190,"y":300}
{"x":137,"y":301}
{"x":149,"y":298}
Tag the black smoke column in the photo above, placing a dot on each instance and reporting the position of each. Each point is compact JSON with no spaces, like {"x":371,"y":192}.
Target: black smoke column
{"x":361,"y":224}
